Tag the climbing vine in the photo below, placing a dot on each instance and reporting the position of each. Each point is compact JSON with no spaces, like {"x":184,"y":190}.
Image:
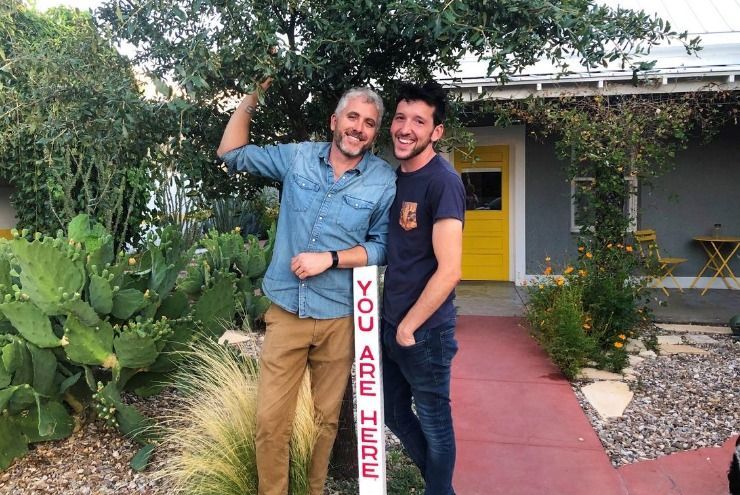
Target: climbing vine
{"x":609,"y":140}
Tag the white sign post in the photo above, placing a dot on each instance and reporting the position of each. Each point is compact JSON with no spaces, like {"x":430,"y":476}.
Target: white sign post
{"x":368,"y":383}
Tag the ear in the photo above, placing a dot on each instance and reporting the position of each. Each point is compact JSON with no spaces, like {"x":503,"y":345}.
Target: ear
{"x":438,"y":132}
{"x":333,"y":122}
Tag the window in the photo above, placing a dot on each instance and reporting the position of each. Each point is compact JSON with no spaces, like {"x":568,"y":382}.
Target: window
{"x":482,"y":188}
{"x":577,"y":205}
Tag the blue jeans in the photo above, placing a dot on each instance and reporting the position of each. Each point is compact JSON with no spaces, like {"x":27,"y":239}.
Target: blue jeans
{"x":422,"y":372}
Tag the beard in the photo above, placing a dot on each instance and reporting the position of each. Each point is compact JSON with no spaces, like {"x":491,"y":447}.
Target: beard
{"x":346,"y":151}
{"x":418,"y":148}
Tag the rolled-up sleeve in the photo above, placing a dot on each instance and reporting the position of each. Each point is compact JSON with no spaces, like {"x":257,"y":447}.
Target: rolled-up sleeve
{"x":268,"y":161}
{"x":377,"y":234}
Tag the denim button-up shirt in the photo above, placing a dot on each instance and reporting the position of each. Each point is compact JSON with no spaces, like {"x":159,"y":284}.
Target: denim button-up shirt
{"x":319,"y":214}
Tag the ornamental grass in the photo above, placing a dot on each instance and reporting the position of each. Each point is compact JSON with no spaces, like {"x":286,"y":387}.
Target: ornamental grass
{"x":209,"y":433}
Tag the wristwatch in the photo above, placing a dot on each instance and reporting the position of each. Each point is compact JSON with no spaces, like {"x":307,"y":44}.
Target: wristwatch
{"x":334,"y":259}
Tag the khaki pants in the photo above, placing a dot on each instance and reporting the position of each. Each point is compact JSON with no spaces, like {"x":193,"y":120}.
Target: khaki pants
{"x":291,"y":344}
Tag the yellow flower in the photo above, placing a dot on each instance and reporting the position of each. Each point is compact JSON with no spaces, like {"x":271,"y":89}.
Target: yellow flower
{"x":586,"y":326}
{"x":589,"y":255}
{"x":548,"y":270}
{"x":581,"y":249}
{"x":628,"y":249}
{"x":560,"y":281}
{"x":541,"y":286}
{"x":237,"y":229}
{"x":618,"y":345}
{"x":568,"y":270}
{"x":582,"y":273}
{"x":132,"y":261}
{"x":622,"y":336}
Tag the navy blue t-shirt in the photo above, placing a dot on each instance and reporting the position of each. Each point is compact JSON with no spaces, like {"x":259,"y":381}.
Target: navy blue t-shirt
{"x":432,"y":193}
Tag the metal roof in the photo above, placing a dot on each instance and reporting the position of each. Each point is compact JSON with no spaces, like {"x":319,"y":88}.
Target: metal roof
{"x":717,"y":22}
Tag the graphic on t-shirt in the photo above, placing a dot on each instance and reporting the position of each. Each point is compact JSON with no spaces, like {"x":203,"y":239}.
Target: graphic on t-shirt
{"x":408,"y":215}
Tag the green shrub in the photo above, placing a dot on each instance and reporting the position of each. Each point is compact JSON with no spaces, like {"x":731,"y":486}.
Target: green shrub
{"x":556,"y":311}
{"x":588,"y":312}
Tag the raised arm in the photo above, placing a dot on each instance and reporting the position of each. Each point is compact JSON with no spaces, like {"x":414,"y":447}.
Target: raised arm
{"x":236,"y":133}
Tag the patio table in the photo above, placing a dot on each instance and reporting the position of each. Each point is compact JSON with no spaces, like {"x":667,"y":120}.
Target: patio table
{"x":720,"y":250}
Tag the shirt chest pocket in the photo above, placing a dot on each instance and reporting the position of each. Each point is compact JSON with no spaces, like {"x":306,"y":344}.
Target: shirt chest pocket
{"x":300,"y":192}
{"x":354,"y":213}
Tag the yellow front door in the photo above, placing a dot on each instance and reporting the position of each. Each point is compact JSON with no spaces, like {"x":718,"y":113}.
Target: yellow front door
{"x":486,"y":234}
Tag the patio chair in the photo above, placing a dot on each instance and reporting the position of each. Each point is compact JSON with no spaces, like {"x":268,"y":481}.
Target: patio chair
{"x":647,"y":242}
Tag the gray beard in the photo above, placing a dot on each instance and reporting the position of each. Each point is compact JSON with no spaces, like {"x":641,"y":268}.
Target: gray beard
{"x":348,"y":153}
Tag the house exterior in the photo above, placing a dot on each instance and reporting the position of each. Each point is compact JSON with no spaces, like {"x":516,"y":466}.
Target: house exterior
{"x":532,"y":215}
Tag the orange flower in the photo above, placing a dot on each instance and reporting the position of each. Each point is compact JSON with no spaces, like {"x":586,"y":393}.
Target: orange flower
{"x":548,"y":270}
{"x":589,"y":255}
{"x":586,"y":326}
{"x":581,"y":249}
{"x":628,"y":249}
{"x":582,"y":273}
{"x":618,"y":345}
{"x":560,"y":281}
{"x":622,"y":336}
{"x":568,"y":270}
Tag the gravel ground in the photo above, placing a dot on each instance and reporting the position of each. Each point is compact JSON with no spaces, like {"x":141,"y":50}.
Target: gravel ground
{"x":681,"y":402}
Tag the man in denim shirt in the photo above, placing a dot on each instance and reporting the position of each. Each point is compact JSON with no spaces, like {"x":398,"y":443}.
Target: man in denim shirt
{"x":333,"y":217}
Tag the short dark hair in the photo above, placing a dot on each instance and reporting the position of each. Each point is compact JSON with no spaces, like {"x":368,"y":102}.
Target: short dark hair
{"x":431,"y":93}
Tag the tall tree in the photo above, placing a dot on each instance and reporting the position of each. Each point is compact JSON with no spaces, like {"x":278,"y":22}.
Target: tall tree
{"x":217,"y":50}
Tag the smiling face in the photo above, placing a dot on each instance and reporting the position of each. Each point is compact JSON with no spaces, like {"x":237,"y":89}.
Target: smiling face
{"x":414,"y":133}
{"x":355,"y":127}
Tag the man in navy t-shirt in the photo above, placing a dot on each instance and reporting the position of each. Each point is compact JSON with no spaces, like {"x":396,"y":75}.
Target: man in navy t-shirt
{"x":424,"y":263}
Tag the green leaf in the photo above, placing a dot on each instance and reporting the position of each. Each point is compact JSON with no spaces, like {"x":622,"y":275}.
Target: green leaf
{"x":79,"y":228}
{"x":91,"y":345}
{"x":216,"y":307}
{"x":12,"y":442}
{"x":54,"y":420}
{"x":134,"y":351}
{"x":175,"y":306}
{"x":126,"y":302}
{"x":69,"y":381}
{"x":44,"y":370}
{"x":101,"y":294}
{"x":31,"y":323}
{"x":141,"y":459}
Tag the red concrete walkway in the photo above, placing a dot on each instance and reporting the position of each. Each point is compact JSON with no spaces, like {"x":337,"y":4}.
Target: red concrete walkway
{"x":521,"y":431}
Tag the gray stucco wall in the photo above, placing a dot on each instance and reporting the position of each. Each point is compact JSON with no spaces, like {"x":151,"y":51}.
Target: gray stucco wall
{"x":547,"y":206}
{"x":703,"y":189}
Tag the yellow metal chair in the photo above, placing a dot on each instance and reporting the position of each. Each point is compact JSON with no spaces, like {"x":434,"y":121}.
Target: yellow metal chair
{"x":647,"y":242}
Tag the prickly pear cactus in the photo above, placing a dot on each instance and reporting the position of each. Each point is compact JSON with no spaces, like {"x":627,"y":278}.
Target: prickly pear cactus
{"x":73,"y":313}
{"x":49,"y":271}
